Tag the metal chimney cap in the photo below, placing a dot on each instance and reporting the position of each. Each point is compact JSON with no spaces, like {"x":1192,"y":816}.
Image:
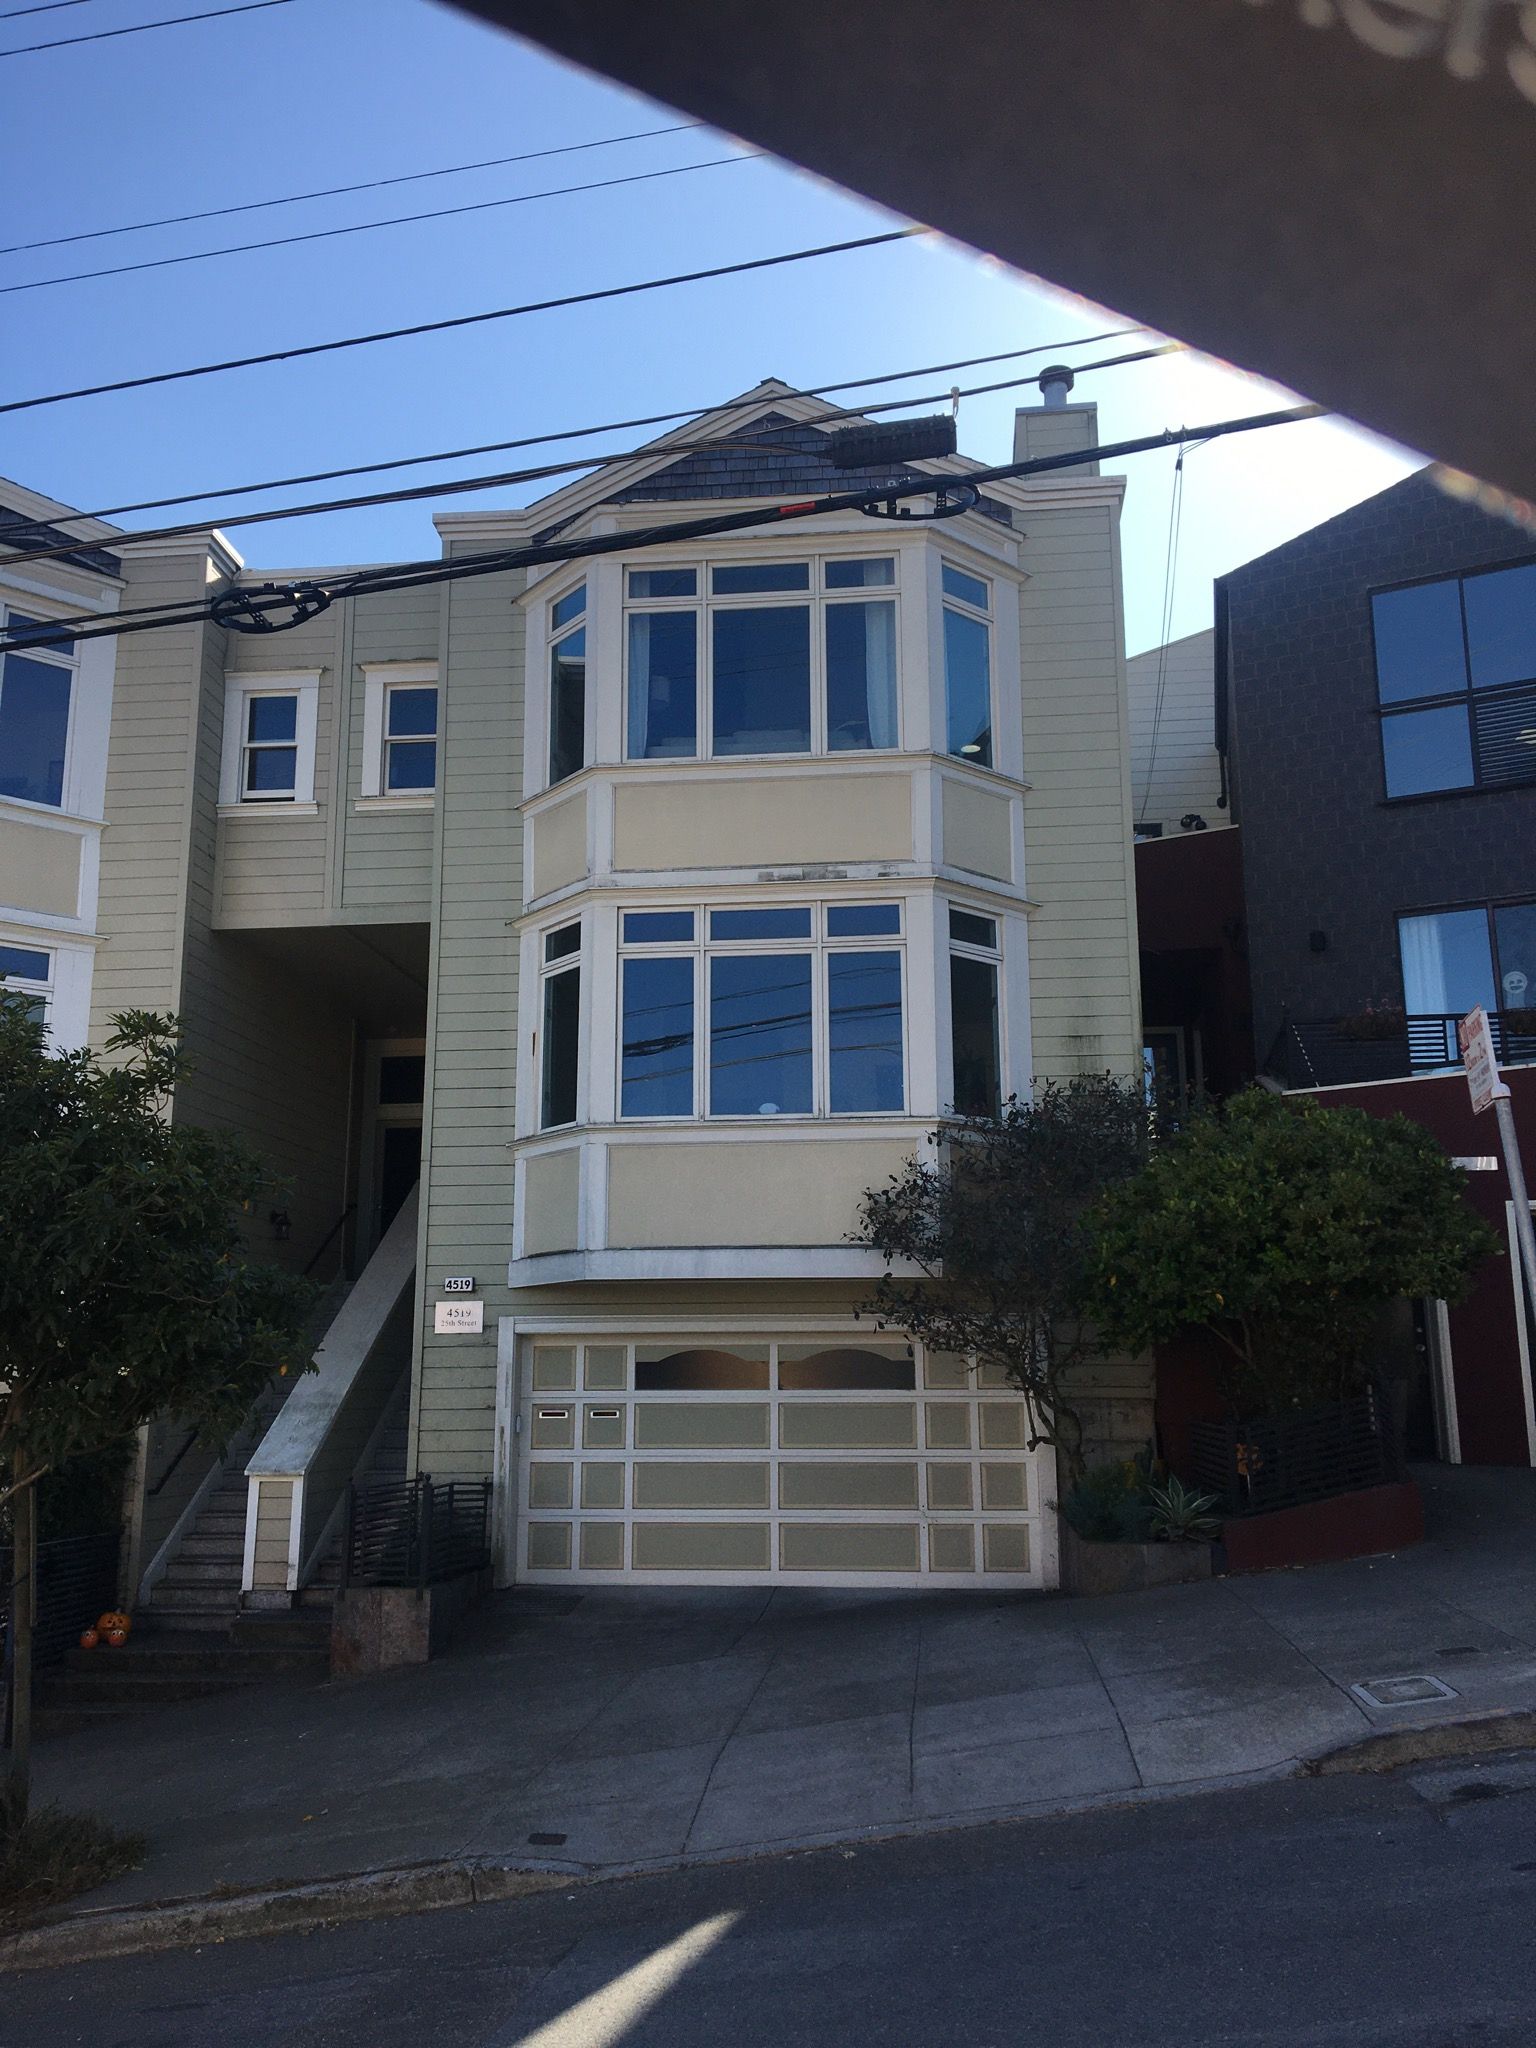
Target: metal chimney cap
{"x":1055,"y":381}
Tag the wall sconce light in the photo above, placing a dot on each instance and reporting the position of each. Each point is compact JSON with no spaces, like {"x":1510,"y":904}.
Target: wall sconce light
{"x":282,"y":1227}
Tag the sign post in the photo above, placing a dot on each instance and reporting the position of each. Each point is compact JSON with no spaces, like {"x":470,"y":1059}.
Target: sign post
{"x":1488,"y":1090}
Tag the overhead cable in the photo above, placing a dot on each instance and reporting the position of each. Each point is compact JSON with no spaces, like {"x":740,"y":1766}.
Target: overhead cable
{"x":138,"y":28}
{"x":614,"y":291}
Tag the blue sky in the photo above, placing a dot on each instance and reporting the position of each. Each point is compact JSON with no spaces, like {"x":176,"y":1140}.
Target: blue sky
{"x":328,"y":92}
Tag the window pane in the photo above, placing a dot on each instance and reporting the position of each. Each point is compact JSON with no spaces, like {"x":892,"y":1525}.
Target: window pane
{"x":760,"y":1034}
{"x":272,"y":718}
{"x":968,"y":687}
{"x":22,"y":962}
{"x":412,"y":713}
{"x":657,"y":1071}
{"x":759,"y":924}
{"x":862,"y":573}
{"x":402,"y":1077}
{"x":33,"y":1007}
{"x":973,"y":1010}
{"x":1447,"y":963}
{"x":271,"y":771}
{"x":682,"y":1372}
{"x":749,"y":576}
{"x":1427,"y":750}
{"x":1504,"y":730}
{"x":663,"y":582}
{"x":34,"y":729}
{"x":864,"y":1032}
{"x":562,"y":1020}
{"x":569,"y":607}
{"x":412,"y":765}
{"x":1501,"y":626}
{"x":848,"y":1366}
{"x":762,"y":682}
{"x":1419,"y":650}
{"x":567,"y":705}
{"x":972,"y":930}
{"x":20,"y":622}
{"x":969,"y":589}
{"x":663,"y":685}
{"x":861,"y":676}
{"x":1514,"y":926}
{"x":648,"y":927}
{"x":562,"y":944}
{"x":863,"y":920}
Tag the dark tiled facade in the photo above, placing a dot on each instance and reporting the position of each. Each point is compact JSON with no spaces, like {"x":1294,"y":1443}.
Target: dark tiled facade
{"x":1323,"y":851}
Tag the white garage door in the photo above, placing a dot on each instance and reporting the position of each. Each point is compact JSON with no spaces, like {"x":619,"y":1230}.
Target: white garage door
{"x":820,"y":1461}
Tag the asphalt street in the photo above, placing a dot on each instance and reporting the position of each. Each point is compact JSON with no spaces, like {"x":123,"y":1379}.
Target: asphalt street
{"x":1349,"y":1912}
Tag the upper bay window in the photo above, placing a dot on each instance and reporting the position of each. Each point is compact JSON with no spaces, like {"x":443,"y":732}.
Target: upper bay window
{"x":1456,"y":680}
{"x":754,"y":658}
{"x":36,"y":686}
{"x":779,"y":1010}
{"x":967,"y":665}
{"x":568,"y":683}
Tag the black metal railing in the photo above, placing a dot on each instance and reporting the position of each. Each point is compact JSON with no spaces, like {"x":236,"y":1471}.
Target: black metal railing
{"x":1284,"y":1461}
{"x":76,"y":1581}
{"x":1388,"y":1046}
{"x":415,"y":1532}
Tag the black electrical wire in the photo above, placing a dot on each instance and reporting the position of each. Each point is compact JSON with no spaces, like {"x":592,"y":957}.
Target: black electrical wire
{"x":104,"y":35}
{"x":490,"y":163}
{"x":364,"y":227}
{"x":654,"y":419}
{"x":451,"y":487}
{"x":40,"y":7}
{"x":263,"y":599}
{"x":613,"y":291}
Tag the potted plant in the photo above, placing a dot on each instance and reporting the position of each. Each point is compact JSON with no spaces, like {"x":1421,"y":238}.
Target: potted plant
{"x":1375,"y":1021}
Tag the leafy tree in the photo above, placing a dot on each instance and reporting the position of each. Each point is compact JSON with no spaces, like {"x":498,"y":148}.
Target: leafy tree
{"x":1284,"y":1228}
{"x":998,"y":1224}
{"x":124,"y":1292}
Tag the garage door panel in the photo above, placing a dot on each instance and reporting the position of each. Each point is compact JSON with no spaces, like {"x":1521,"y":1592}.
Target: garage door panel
{"x":701,"y":1425}
{"x":848,"y":1546}
{"x":834,"y":1483}
{"x":702,"y":1547}
{"x":602,"y":1483}
{"x":549,"y":1484}
{"x":701,"y":1483}
{"x":847,"y":1425}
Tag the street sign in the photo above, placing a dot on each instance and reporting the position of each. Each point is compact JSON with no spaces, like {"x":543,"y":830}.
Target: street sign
{"x":1477,"y":1057}
{"x":458,"y":1318}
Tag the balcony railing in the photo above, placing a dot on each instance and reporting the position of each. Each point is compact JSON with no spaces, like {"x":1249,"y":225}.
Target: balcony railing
{"x":1383,"y":1046}
{"x":412,"y":1532}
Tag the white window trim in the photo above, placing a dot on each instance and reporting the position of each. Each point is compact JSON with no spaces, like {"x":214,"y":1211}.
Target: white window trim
{"x":43,"y":613}
{"x":379,"y":678}
{"x":238,"y":689}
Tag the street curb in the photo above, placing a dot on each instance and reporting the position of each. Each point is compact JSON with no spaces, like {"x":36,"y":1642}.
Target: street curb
{"x":1432,"y":1742}
{"x":96,"y":1933}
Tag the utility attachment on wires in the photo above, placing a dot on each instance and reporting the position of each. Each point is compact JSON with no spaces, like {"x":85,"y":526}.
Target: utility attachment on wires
{"x":269,"y":607}
{"x":950,"y":499}
{"x":893,"y":443}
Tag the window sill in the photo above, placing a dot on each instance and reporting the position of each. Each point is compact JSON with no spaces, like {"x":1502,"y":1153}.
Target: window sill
{"x":273,"y":810}
{"x":27,"y":807}
{"x":396,"y":803}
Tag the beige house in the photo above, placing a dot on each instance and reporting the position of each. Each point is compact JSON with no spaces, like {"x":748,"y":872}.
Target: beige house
{"x":650,"y":908}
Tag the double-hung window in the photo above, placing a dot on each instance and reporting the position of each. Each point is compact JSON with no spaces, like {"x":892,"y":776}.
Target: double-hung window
{"x":1456,"y":681}
{"x":1456,"y":959}
{"x":967,"y":665}
{"x":26,"y":977}
{"x":568,"y":683}
{"x":269,"y":740}
{"x":36,"y":685}
{"x":410,"y":739}
{"x":560,"y":1012}
{"x":778,"y":1010}
{"x":974,"y":959}
{"x":726,"y":659}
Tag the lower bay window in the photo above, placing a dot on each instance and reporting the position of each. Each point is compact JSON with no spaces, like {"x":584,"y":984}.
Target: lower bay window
{"x":973,"y":1007}
{"x":560,"y":1027}
{"x":773,"y":1011}
{"x":26,"y":979}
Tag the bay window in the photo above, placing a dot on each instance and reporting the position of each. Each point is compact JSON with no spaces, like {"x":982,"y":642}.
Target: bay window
{"x":778,"y":657}
{"x":568,"y":683}
{"x":973,"y":1007}
{"x":560,"y":1012}
{"x":782,"y":1010}
{"x":967,"y":665}
{"x":35,"y":691}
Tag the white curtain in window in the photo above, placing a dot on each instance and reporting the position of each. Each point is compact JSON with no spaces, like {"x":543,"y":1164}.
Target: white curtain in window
{"x":1425,"y":992}
{"x":880,"y":673}
{"x":1447,"y":962}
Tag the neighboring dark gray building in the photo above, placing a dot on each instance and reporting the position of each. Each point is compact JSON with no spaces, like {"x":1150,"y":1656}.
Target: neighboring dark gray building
{"x":1376,"y":706}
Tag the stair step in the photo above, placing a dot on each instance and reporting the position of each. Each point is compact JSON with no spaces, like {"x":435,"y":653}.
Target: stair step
{"x":201,"y":1571}
{"x":192,"y":1655}
{"x":213,"y":1543}
{"x":195,"y":1599}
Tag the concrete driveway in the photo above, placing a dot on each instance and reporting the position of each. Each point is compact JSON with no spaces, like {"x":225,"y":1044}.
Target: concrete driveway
{"x":625,"y":1728}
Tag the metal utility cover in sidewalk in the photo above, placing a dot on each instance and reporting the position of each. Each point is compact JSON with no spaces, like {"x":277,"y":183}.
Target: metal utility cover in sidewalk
{"x":1403,"y":1692}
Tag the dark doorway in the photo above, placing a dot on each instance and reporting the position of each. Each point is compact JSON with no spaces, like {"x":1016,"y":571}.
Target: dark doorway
{"x":399,"y":1168}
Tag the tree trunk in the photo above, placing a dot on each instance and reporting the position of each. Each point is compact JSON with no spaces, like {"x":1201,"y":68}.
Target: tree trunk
{"x":18,"y":1782}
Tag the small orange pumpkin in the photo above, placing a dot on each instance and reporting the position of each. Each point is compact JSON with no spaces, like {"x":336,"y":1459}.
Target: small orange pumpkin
{"x":89,"y":1638}
{"x":117,"y":1637}
{"x":114,"y":1619}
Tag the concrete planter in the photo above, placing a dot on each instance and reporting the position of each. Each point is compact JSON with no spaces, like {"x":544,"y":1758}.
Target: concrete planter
{"x":380,"y":1628}
{"x":1092,"y":1568}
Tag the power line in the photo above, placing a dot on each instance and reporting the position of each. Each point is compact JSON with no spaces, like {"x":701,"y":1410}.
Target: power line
{"x":368,"y":226}
{"x":320,"y":348}
{"x":655,"y":419}
{"x":490,"y":163}
{"x":307,"y":599}
{"x":1170,"y":580}
{"x":45,"y":7}
{"x":103,"y":35}
{"x":451,"y":487}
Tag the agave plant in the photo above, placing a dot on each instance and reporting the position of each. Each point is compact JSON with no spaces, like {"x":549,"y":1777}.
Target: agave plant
{"x":1180,"y":1515}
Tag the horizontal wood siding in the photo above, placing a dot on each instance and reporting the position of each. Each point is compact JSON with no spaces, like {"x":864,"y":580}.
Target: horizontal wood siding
{"x":385,"y":864}
{"x":1174,"y":766}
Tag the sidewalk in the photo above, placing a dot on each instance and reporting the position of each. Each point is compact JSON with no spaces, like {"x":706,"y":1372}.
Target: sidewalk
{"x":616,"y":1729}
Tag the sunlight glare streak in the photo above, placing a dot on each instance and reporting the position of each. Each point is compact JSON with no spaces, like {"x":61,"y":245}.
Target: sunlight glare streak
{"x":605,"y":2017}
